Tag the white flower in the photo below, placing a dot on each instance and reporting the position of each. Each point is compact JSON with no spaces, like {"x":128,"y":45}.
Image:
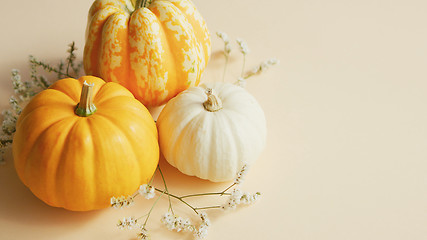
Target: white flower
{"x":146,"y":191}
{"x":238,"y":197}
{"x":227,"y":46}
{"x":177,"y":223}
{"x":205,"y":219}
{"x":223,"y":36}
{"x":143,"y":234}
{"x":262,"y":67}
{"x":243,"y":46}
{"x":241,"y":82}
{"x":9,"y":122}
{"x":241,"y":174}
{"x":202,"y":231}
{"x":129,"y":223}
{"x":121,"y":201}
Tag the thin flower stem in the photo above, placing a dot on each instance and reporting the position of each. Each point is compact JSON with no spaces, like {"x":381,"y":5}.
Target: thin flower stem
{"x":210,"y":207}
{"x":243,"y":67}
{"x":152,"y":207}
{"x":70,"y":58}
{"x":223,"y":192}
{"x":180,"y":199}
{"x":206,"y":194}
{"x":47,"y":67}
{"x":166,"y":188}
{"x":142,"y":216}
{"x":152,"y":178}
{"x":225,"y":66}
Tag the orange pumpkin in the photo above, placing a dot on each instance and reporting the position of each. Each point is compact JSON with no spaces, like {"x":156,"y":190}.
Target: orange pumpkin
{"x":79,"y":157}
{"x":156,"y":48}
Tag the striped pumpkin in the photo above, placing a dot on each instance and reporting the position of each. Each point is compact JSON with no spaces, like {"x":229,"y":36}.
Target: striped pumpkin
{"x":156,"y":49}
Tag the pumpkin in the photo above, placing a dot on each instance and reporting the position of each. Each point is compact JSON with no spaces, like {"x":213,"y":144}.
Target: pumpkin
{"x":212,"y":131}
{"x":156,"y":49}
{"x":78,"y":144}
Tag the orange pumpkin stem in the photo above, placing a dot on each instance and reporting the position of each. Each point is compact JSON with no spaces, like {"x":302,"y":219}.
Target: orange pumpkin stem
{"x":213,"y":103}
{"x":85,"y":108}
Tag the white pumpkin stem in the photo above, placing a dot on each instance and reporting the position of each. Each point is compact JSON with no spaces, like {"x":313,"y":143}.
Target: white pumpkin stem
{"x":213,"y":103}
{"x":85,"y":108}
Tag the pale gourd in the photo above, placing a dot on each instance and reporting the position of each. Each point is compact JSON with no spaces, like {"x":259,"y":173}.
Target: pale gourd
{"x":212,"y":130}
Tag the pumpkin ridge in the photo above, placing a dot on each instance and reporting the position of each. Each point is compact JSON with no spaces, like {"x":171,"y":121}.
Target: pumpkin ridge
{"x":25,"y":151}
{"x":181,"y":138}
{"x":186,"y":52}
{"x":66,"y":200}
{"x":96,"y":197}
{"x":133,"y":141}
{"x":27,"y":112}
{"x":65,"y":93}
{"x":25,"y":155}
{"x":198,"y":28}
{"x":92,"y":53}
{"x":100,"y":118}
{"x":131,"y":106}
{"x":53,"y":197}
{"x":171,"y":64}
{"x":233,"y":126}
{"x":114,"y":48}
{"x":109,"y":91}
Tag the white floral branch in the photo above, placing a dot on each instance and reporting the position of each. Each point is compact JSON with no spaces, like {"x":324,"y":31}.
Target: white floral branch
{"x":25,"y":90}
{"x":177,"y":223}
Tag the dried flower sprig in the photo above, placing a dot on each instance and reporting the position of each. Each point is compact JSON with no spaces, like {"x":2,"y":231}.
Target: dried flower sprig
{"x":25,"y":90}
{"x":177,"y":223}
{"x":227,"y":50}
{"x":244,"y":50}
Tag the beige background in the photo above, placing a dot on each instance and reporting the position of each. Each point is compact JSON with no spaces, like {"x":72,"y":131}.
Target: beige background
{"x":346,"y":109}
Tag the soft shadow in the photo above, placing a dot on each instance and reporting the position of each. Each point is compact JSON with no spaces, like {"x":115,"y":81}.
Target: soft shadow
{"x":18,"y":204}
{"x":184,"y":184}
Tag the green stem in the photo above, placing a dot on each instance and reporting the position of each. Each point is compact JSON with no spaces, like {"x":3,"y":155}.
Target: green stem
{"x":206,"y":194}
{"x":225,"y":190}
{"x":243,"y":67}
{"x":47,"y":67}
{"x":166,"y":188}
{"x":70,"y":58}
{"x":210,"y":207}
{"x":179,"y":198}
{"x":85,"y":108}
{"x":225,"y":67}
{"x":152,"y":207}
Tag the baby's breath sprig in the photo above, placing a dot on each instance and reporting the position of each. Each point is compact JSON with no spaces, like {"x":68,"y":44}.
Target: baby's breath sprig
{"x":25,"y":90}
{"x":227,"y":50}
{"x":244,"y":50}
{"x":262,"y":67}
{"x":177,"y":223}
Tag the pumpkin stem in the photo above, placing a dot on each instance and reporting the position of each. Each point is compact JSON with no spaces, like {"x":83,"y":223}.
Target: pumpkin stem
{"x":142,"y":3}
{"x":213,"y":103}
{"x":85,"y":108}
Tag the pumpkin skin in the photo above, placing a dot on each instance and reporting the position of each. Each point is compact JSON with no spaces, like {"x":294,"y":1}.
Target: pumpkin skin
{"x":155,"y":51}
{"x":212,"y":145}
{"x":79,"y":163}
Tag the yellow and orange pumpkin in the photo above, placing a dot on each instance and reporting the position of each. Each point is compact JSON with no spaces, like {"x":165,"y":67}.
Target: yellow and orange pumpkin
{"x":77,"y":144}
{"x":155,"y":48}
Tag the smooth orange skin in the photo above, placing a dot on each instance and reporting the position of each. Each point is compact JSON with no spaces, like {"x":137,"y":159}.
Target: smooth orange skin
{"x":79,"y":163}
{"x":155,"y":52}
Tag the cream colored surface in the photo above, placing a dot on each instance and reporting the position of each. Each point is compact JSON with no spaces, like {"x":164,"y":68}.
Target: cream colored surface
{"x":346,"y":154}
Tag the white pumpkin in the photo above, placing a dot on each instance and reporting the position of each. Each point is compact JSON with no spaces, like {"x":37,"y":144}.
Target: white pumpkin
{"x":212,"y":130}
